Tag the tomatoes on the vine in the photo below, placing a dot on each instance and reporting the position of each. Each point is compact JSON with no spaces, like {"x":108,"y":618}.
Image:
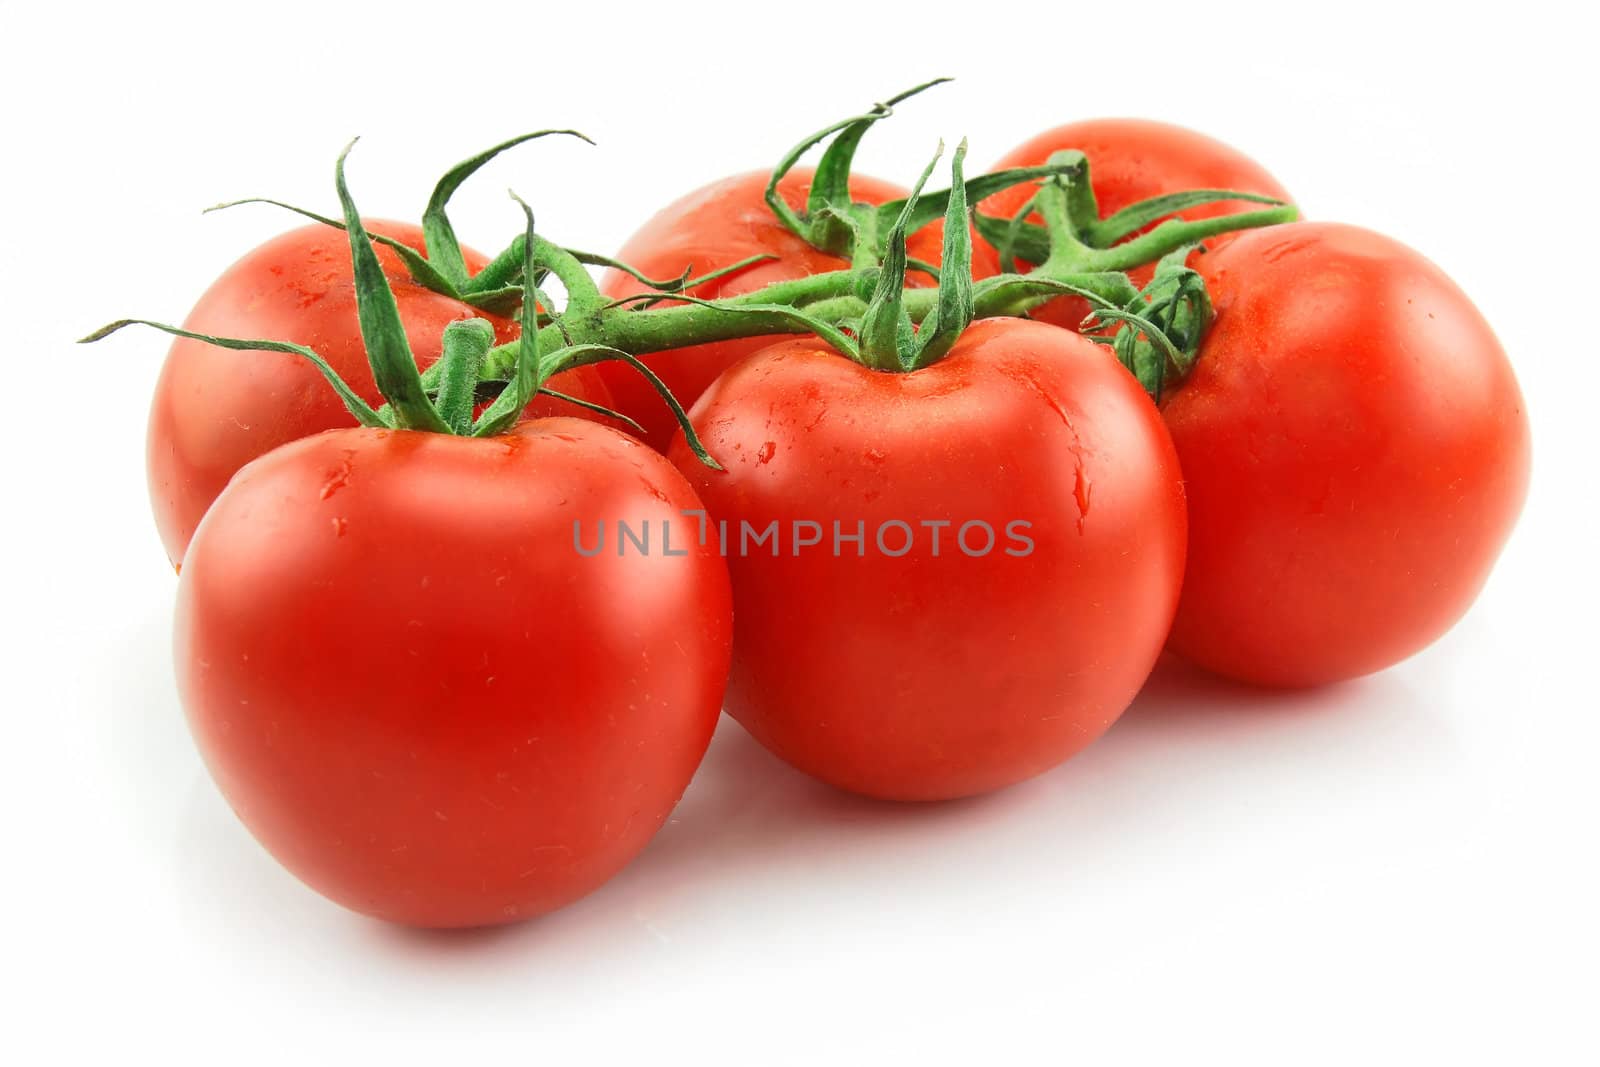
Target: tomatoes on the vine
{"x":710,"y":229}
{"x":975,"y":564}
{"x":1129,"y":160}
{"x":215,"y":411}
{"x":414,"y":689}
{"x":1356,"y":453}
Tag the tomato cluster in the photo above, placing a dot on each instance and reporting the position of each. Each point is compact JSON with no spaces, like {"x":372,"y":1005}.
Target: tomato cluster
{"x":452,"y":678}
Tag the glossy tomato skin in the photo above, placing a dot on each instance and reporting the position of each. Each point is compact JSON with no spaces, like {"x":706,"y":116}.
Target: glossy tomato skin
{"x":929,"y":676}
{"x":1356,"y":452}
{"x":714,"y":227}
{"x":419,"y":696}
{"x":1130,"y":160}
{"x":216,"y":410}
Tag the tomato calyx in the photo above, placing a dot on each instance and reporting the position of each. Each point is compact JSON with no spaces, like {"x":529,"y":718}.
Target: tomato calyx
{"x":1073,"y":231}
{"x":441,"y":267}
{"x":861,"y":233}
{"x":890,"y":340}
{"x":444,"y":399}
{"x":865,"y":311}
{"x":873,"y":323}
{"x":1158,"y":336}
{"x":1155,"y":332}
{"x":831,"y":221}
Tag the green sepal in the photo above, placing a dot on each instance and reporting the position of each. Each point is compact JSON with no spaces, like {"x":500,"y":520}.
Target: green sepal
{"x":682,"y":284}
{"x":394,"y":368}
{"x":504,"y":271}
{"x":507,"y":277}
{"x":500,"y":273}
{"x":444,"y":250}
{"x":887,"y":333}
{"x":1160,"y":334}
{"x":503,"y":302}
{"x":359,"y":408}
{"x":1015,"y":239}
{"x":934,"y":205}
{"x":1083,"y":210}
{"x":952,"y":314}
{"x":1017,"y":294}
{"x":589,"y":405}
{"x":1178,"y":233}
{"x":526,"y":376}
{"x":541,"y":300}
{"x":1147,"y":362}
{"x":697,"y":280}
{"x":1179,"y":294}
{"x":1019,"y":240}
{"x":830,"y":187}
{"x":1103,"y":233}
{"x":594,"y":259}
{"x":422,"y":272}
{"x":830,"y":220}
{"x":587,"y":354}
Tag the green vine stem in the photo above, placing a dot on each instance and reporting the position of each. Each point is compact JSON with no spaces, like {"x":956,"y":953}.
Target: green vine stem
{"x":864,"y":311}
{"x":442,"y":401}
{"x":465,"y":343}
{"x":1074,"y":248}
{"x":835,"y":297}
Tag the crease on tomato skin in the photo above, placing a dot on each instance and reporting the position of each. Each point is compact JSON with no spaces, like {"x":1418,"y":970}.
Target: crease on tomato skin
{"x":1082,"y":487}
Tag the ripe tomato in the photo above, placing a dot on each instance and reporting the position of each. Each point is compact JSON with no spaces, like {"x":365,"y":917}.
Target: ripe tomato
{"x":1356,"y":453}
{"x":1129,"y":160}
{"x":711,"y":228}
{"x":419,"y":696}
{"x":912,"y":665}
{"x":215,"y":411}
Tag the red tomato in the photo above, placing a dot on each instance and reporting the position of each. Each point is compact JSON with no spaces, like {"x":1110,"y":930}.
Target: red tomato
{"x":414,"y":690}
{"x":1356,"y":453}
{"x":215,"y":411}
{"x":1129,"y":160}
{"x":918,"y":670}
{"x":711,"y":228}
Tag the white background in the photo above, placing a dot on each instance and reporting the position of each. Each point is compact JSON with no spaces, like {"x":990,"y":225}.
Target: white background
{"x":1396,"y":870}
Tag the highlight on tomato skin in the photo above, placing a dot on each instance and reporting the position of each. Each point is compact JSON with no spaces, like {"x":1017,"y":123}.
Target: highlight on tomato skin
{"x":711,"y":228}
{"x":418,"y":696}
{"x":213,"y":412}
{"x":1356,"y":452}
{"x":1129,"y":160}
{"x":936,"y":674}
